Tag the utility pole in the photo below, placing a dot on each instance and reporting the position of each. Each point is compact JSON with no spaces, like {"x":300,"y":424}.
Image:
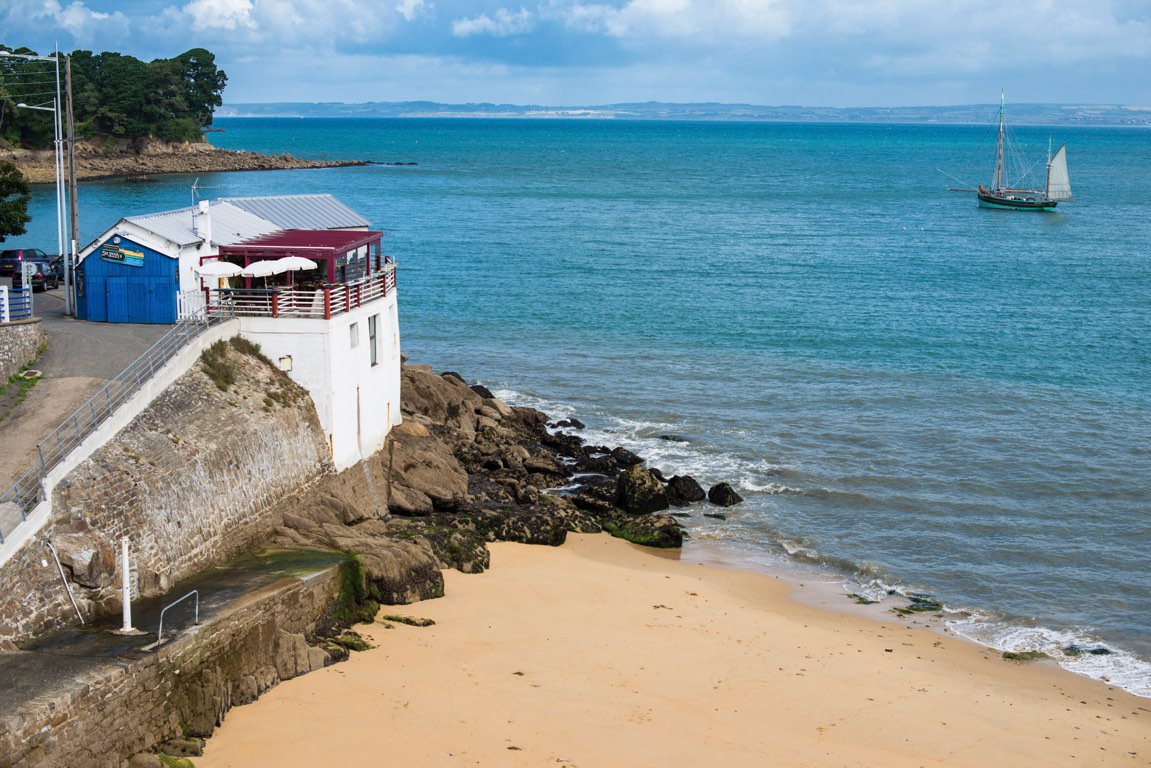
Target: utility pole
{"x":73,"y":206}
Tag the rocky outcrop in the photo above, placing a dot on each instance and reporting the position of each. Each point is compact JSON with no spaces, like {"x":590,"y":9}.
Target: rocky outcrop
{"x":104,"y":160}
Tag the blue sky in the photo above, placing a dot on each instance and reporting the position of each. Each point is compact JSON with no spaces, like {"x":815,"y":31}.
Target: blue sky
{"x":838,"y":53}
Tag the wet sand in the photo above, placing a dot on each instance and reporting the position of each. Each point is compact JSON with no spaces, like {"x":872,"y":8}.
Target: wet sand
{"x":599,"y":653}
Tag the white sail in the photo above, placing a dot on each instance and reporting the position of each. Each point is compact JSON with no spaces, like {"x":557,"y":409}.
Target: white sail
{"x":1058,"y":182}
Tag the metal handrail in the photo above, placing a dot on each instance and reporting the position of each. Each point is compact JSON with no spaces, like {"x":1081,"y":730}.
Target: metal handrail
{"x":160,"y":631}
{"x":19,"y":500}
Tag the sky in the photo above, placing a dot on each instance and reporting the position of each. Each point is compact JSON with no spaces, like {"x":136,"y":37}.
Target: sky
{"x":832,"y":53}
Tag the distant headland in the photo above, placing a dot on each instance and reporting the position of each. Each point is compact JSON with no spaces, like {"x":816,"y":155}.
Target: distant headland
{"x":1021,"y":114}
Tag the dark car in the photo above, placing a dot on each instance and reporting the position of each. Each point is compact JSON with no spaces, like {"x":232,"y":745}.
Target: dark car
{"x":11,"y":258}
{"x":43,"y":278}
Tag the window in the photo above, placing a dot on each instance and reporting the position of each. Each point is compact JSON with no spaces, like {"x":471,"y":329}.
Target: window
{"x":354,"y":331}
{"x":373,"y":321}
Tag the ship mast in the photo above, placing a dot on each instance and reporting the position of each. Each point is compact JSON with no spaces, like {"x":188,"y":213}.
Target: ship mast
{"x":1000,"y":181}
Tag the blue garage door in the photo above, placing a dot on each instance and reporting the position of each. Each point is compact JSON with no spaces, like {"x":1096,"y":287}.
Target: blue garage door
{"x":139,"y":300}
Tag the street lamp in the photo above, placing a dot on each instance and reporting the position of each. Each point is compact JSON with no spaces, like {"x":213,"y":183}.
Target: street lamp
{"x":70,"y":255}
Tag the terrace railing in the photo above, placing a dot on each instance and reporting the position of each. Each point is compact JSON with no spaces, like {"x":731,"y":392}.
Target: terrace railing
{"x":324,"y":302}
{"x":19,"y":500}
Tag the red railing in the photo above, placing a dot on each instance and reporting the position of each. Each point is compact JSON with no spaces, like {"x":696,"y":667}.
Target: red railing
{"x":324,"y":302}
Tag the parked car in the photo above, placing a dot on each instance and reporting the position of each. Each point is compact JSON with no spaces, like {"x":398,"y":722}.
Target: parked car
{"x":11,"y":258}
{"x":43,"y":278}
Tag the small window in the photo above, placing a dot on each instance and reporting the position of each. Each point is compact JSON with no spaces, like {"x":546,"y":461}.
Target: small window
{"x":354,"y":334}
{"x":372,"y":322}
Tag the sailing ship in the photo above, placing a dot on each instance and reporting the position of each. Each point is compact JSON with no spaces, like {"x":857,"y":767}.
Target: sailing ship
{"x":1002,"y":195}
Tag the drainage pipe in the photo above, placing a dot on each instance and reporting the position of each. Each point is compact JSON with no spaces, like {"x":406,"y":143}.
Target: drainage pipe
{"x":63,"y":578}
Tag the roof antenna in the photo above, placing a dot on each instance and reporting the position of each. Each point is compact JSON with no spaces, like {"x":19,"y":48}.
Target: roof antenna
{"x":196,"y":193}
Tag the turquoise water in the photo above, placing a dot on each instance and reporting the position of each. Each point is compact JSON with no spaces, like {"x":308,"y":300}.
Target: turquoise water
{"x":908,"y":390}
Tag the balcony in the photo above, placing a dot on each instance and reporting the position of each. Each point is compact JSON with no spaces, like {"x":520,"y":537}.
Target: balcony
{"x":322,"y":303}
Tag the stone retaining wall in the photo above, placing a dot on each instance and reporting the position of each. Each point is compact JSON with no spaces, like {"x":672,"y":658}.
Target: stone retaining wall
{"x":114,"y":711}
{"x":192,"y":483}
{"x":20,"y":343}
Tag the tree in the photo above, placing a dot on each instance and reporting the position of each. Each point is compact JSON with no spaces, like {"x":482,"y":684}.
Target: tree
{"x":14,"y":196}
{"x":116,"y":96}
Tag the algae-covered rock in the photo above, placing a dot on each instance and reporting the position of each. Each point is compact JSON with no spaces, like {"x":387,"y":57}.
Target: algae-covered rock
{"x":640,"y":493}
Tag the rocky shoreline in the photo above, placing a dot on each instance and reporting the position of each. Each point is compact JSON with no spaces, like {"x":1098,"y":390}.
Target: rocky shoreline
{"x":154,"y":158}
{"x":465,"y":469}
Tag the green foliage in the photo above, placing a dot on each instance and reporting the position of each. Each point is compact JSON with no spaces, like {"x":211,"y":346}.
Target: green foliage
{"x":113,"y":95}
{"x":14,"y":196}
{"x":221,"y":369}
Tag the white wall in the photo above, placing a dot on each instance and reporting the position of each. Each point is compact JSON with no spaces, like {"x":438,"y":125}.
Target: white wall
{"x":358,"y":403}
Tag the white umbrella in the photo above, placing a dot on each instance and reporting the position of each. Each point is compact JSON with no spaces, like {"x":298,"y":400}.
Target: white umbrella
{"x":262,"y":269}
{"x":292,"y":263}
{"x":218,"y":269}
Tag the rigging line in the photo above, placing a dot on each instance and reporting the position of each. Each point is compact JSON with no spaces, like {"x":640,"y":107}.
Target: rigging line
{"x":945,"y":173}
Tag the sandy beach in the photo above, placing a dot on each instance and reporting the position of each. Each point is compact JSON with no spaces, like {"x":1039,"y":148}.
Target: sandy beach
{"x":599,"y":653}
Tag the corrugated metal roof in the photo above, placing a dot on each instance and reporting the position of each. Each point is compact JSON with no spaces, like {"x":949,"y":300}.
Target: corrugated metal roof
{"x":229,"y":224}
{"x":301,"y":211}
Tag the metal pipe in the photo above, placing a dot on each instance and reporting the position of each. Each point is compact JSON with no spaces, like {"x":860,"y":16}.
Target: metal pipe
{"x":63,"y":578}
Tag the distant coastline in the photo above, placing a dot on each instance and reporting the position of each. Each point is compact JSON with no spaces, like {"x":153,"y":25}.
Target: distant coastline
{"x":1021,"y":114}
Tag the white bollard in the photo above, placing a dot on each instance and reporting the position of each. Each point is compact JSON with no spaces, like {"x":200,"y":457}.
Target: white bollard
{"x":126,"y":590}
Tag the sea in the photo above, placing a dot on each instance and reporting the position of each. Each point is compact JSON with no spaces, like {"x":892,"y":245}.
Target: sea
{"x":914,"y":396}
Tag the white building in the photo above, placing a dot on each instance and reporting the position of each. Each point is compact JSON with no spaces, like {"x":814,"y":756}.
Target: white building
{"x":333,"y":327}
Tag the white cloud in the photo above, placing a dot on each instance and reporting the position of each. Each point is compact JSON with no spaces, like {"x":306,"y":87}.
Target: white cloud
{"x":220,"y":14}
{"x":410,"y":9}
{"x":505,"y":24}
{"x":693,"y":20}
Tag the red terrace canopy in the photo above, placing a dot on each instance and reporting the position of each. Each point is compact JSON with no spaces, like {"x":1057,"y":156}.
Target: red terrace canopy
{"x":319,"y":245}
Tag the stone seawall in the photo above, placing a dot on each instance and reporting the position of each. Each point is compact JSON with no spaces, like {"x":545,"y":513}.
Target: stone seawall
{"x":101,"y":716}
{"x":20,"y":343}
{"x":192,"y":482}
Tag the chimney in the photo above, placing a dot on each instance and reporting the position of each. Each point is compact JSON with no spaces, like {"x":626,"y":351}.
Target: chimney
{"x":202,"y":222}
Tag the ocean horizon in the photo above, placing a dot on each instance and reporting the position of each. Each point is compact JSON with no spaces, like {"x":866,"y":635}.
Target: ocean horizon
{"x":915,"y":396}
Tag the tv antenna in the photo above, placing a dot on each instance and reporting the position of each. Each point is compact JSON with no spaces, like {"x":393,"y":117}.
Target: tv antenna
{"x":196,"y":190}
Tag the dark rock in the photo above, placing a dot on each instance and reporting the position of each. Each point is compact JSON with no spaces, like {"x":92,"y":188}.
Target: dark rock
{"x":569,"y":423}
{"x":674,"y":438}
{"x":482,"y":391}
{"x":543,"y":464}
{"x":1080,"y":650}
{"x":683,"y":490}
{"x":600,"y":464}
{"x":567,"y":445}
{"x":599,"y":487}
{"x":723,"y":495}
{"x":639,"y":492}
{"x":454,"y":375}
{"x":657,"y":474}
{"x":594,"y":506}
{"x":625,"y":458}
{"x":660,"y":531}
{"x":715,"y":515}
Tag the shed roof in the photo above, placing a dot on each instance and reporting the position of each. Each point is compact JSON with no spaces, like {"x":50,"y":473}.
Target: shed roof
{"x":301,"y":211}
{"x":230,"y":224}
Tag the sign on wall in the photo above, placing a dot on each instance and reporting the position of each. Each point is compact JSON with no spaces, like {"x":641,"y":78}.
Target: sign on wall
{"x":115,"y":251}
